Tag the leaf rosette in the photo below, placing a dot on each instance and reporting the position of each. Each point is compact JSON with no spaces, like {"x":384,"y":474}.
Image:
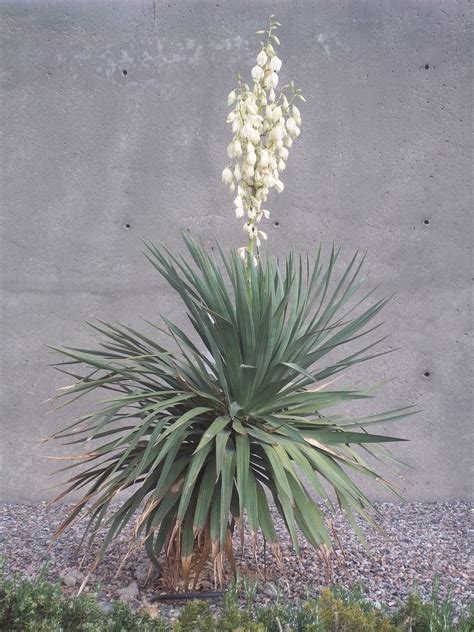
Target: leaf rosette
{"x":238,"y":417}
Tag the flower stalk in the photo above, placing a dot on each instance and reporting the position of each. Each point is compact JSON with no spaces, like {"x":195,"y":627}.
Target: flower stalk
{"x":264,"y":124}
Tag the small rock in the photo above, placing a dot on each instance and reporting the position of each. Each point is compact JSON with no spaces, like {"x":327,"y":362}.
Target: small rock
{"x":284,"y":584}
{"x":145,"y":572}
{"x":173,"y":614}
{"x":128,"y":593}
{"x":270,"y":590}
{"x":71,"y":576}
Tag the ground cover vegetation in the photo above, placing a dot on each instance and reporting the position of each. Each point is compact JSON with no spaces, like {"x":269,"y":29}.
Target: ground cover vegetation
{"x":40,"y":606}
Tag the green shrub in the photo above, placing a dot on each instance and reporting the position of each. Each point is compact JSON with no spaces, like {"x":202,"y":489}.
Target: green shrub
{"x":196,"y":617}
{"x":278,"y":616}
{"x":30,"y":606}
{"x":81,"y":613}
{"x":238,"y":620}
{"x":337,"y":616}
{"x":438,"y":615}
{"x":356,"y":596}
{"x":232,"y":615}
{"x":40,"y":606}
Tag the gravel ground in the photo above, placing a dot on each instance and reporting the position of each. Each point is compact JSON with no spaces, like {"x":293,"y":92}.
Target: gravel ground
{"x":418,"y":542}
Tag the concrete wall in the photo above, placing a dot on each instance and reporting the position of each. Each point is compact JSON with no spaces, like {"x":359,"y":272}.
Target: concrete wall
{"x":114,"y":129}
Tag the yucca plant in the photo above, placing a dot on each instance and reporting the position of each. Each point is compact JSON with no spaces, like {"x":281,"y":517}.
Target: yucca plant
{"x":204,"y":432}
{"x":205,"y":438}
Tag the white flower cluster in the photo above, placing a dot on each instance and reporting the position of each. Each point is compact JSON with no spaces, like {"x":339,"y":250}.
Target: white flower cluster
{"x":264,"y":124}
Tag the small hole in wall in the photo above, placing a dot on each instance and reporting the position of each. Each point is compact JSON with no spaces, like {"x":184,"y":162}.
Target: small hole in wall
{"x":127,"y":226}
{"x":427,"y":66}
{"x":124,"y":72}
{"x":426,"y":222}
{"x":276,"y":224}
{"x":426,"y":374}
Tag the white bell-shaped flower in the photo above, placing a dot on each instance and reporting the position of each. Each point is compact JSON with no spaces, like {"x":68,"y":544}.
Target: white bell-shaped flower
{"x":248,"y":171}
{"x":291,"y":126}
{"x":262,"y":58}
{"x":277,"y":114}
{"x":272,"y":80}
{"x":269,"y":180}
{"x":257,"y":73}
{"x":227,"y":176}
{"x":296,"y":114}
{"x":251,"y":157}
{"x":254,"y":136}
{"x":247,"y":130}
{"x":242,"y":252}
{"x":251,"y":106}
{"x":236,"y":126}
{"x":264,"y":160}
{"x":275,"y":63}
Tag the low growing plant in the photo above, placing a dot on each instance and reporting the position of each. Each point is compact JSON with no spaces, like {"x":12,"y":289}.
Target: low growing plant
{"x":437,"y":615}
{"x":240,"y":414}
{"x":40,"y":606}
{"x":335,"y":614}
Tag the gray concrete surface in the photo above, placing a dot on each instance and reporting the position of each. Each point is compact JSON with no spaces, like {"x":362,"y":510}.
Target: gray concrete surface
{"x":113,"y":115}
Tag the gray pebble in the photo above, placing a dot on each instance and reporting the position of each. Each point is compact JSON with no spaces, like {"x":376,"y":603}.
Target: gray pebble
{"x":128,"y":593}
